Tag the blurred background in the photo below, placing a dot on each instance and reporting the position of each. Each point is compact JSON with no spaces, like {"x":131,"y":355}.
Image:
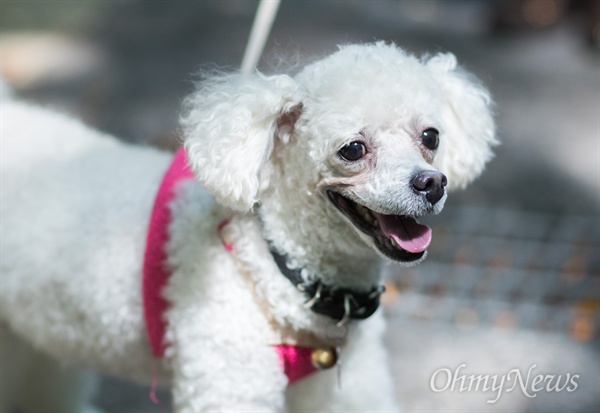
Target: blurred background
{"x":513,"y":275}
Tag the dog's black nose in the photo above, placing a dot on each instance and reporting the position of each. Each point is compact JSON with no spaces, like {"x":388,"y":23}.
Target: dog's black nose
{"x":431,"y":184}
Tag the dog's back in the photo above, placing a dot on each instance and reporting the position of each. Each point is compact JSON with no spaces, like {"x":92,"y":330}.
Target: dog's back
{"x":75,"y":206}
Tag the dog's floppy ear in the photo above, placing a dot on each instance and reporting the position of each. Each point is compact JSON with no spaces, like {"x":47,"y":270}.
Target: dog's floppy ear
{"x":468,"y":129}
{"x":229,"y":127}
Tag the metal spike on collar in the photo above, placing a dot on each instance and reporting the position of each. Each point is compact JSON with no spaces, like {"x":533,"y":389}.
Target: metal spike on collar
{"x":380,"y":290}
{"x":315,"y":299}
{"x":347,"y":311}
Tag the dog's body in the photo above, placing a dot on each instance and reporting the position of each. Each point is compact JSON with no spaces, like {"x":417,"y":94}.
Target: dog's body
{"x":76,"y":204}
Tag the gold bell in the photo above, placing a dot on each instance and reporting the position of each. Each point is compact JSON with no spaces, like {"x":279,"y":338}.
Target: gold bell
{"x":323,"y":358}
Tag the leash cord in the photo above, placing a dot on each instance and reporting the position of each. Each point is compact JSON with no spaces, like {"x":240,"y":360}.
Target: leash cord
{"x":263,"y":21}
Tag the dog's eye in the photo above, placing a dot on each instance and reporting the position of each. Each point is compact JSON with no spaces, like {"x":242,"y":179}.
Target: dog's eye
{"x":430,"y":138}
{"x":353,"y":151}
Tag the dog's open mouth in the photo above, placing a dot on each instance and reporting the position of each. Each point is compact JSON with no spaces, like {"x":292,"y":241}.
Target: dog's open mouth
{"x":398,"y":237}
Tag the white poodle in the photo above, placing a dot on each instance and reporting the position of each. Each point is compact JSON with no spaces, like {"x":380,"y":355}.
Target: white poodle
{"x":265,"y":275}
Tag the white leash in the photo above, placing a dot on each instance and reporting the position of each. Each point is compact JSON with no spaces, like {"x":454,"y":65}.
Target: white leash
{"x":263,"y":20}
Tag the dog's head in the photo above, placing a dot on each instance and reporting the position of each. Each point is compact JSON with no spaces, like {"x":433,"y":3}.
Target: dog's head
{"x":369,"y":136}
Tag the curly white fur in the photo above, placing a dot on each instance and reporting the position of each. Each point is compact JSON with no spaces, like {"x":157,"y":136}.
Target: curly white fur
{"x":75,"y":205}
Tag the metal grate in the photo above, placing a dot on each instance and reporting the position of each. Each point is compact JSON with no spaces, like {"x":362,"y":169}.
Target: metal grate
{"x":507,"y":269}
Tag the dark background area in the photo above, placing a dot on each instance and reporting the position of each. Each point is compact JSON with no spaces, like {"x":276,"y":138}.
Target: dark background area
{"x":513,"y":275}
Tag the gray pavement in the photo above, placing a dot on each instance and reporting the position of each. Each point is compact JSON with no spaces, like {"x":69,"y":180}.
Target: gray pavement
{"x":513,"y":277}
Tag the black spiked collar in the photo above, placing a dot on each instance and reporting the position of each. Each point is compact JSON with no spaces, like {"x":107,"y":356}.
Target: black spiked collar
{"x":341,"y":304}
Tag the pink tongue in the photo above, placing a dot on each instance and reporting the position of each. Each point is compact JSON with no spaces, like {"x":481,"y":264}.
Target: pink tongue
{"x":407,"y":232}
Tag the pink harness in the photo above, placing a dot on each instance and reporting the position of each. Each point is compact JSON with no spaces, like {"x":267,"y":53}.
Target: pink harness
{"x":294,"y":360}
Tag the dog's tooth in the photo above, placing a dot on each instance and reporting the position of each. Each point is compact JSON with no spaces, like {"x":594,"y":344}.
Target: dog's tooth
{"x":366,"y":214}
{"x":394,"y":243}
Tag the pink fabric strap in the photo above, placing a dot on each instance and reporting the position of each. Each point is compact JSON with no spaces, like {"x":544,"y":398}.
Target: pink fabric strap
{"x":294,"y":360}
{"x":155,"y":275}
